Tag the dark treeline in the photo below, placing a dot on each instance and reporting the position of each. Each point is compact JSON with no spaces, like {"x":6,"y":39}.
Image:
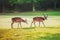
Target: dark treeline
{"x":43,"y":5}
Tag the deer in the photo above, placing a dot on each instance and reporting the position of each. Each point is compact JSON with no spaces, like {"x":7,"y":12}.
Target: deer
{"x":39,"y":19}
{"x":18,"y":20}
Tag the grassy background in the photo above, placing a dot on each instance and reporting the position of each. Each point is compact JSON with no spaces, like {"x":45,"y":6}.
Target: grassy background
{"x":51,"y":13}
{"x":39,"y":33}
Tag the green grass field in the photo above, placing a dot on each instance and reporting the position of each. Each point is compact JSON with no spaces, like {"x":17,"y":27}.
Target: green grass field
{"x":37,"y":13}
{"x":36,"y":33}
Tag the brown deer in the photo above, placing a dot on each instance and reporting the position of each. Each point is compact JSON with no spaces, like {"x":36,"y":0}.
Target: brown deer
{"x":17,"y":20}
{"x":39,"y":19}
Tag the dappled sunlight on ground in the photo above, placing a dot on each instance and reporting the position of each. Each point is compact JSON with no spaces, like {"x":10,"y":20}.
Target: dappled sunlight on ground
{"x":28,"y":34}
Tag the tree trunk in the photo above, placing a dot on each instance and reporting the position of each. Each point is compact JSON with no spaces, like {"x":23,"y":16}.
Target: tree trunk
{"x":16,"y":7}
{"x":33,"y":7}
{"x":54,"y":5}
{"x":3,"y":8}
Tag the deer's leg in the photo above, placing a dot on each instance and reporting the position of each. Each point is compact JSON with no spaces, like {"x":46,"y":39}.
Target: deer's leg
{"x":20,"y":25}
{"x":43,"y":24}
{"x":31,"y":24}
{"x":34,"y":24}
{"x":12,"y":24}
{"x":39,"y":24}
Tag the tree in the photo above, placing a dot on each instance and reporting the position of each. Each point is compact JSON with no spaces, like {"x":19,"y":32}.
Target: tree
{"x":55,"y":2}
{"x":24,"y":1}
{"x":33,"y":3}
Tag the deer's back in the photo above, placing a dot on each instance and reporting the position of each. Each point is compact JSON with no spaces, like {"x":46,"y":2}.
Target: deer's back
{"x":38,"y":19}
{"x":16,"y":19}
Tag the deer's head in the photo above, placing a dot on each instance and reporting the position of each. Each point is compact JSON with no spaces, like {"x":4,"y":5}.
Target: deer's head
{"x":45,"y":16}
{"x":25,"y":21}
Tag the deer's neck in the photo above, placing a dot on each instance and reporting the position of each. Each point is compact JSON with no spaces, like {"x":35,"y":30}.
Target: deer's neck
{"x":45,"y":18}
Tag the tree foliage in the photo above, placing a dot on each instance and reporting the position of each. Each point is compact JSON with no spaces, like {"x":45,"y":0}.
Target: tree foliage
{"x":29,"y":4}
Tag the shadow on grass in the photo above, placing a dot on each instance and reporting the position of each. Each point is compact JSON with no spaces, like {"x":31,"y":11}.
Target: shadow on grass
{"x":29,"y":36}
{"x":29,"y":28}
{"x":50,"y":37}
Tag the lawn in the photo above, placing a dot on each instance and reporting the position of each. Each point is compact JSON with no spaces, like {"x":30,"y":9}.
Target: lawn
{"x":38,"y":33}
{"x":50,"y":32}
{"x":37,"y":13}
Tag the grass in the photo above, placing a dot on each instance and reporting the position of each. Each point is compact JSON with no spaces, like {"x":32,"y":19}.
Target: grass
{"x":39,"y":33}
{"x":30,"y":34}
{"x":37,"y":13}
